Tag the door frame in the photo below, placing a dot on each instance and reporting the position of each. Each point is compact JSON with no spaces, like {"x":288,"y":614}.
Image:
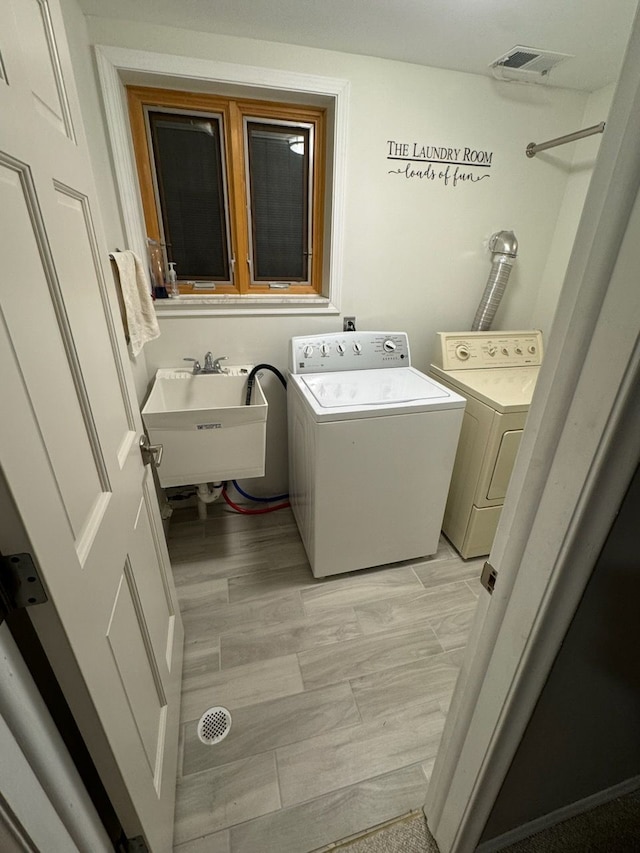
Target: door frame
{"x":43,"y":800}
{"x":578,"y":454}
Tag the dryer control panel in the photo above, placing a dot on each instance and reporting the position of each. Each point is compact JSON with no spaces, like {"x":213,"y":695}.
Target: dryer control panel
{"x":468,"y":350}
{"x":349,"y":351}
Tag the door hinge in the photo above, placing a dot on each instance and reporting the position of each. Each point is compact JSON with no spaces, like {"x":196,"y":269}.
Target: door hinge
{"x":20,"y":584}
{"x":488,"y":577}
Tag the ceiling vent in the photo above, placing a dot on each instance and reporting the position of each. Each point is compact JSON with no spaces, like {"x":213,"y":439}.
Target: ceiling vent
{"x":526,"y":64}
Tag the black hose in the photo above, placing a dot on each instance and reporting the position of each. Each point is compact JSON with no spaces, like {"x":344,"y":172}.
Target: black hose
{"x":252,"y":378}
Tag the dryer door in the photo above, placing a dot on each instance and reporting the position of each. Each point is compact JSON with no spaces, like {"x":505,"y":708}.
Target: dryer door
{"x":504,"y":464}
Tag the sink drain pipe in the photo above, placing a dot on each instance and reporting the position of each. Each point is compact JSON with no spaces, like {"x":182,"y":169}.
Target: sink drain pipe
{"x":207,"y":495}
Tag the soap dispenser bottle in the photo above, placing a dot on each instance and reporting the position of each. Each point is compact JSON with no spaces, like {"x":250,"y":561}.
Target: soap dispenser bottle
{"x":173,"y":280}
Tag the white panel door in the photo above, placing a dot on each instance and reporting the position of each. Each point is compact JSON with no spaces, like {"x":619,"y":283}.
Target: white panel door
{"x":70,"y":427}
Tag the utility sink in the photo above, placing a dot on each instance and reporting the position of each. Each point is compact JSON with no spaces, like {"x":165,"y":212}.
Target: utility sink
{"x":207,"y":432}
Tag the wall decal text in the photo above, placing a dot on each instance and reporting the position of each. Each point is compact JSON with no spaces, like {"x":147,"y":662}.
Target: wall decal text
{"x":449,"y":166}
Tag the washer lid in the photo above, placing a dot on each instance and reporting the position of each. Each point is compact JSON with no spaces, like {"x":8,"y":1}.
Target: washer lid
{"x":375,"y":392}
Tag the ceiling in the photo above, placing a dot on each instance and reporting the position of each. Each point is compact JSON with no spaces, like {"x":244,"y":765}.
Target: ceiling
{"x":463,"y":35}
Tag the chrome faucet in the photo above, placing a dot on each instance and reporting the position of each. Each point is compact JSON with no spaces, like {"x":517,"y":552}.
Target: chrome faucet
{"x":211,"y":364}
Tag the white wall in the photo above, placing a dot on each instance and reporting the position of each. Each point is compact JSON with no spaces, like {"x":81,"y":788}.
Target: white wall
{"x":415,"y":252}
{"x":584,"y":158}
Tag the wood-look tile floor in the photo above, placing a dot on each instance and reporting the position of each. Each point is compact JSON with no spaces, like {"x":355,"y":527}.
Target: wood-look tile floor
{"x":338,"y":687}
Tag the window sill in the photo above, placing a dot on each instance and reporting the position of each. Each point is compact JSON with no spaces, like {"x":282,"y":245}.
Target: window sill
{"x":226,"y":305}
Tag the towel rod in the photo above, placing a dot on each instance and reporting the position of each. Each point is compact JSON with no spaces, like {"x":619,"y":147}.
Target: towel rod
{"x":534,"y":147}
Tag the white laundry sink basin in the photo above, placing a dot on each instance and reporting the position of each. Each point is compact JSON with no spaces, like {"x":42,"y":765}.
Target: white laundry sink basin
{"x":207,"y":432}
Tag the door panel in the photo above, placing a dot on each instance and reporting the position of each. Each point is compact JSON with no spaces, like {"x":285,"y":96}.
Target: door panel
{"x":159,"y":612}
{"x":42,"y":60}
{"x":69,"y":443}
{"x":29,"y":308}
{"x":74,"y":227}
{"x":135,"y":663}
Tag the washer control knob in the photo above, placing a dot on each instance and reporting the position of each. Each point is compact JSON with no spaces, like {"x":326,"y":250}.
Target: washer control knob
{"x":341,"y":348}
{"x":388,"y":346}
{"x":325,"y":349}
{"x":532,"y":349}
{"x":357,"y":348}
{"x":307,"y":351}
{"x":518,"y":350}
{"x":505,"y":351}
{"x":462,"y":352}
{"x":491,"y":350}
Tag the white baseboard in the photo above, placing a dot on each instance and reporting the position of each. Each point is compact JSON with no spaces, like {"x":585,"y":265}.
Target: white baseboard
{"x":557,"y":816}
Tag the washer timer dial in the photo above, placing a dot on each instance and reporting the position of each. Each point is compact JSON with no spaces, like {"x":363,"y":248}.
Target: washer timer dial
{"x":389,"y":346}
{"x":462,"y":352}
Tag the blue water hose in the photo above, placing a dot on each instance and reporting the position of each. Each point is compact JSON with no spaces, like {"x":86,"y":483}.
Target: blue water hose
{"x":258,"y":500}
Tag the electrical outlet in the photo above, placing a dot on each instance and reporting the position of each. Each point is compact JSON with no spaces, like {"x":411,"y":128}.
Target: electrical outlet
{"x":348,"y":324}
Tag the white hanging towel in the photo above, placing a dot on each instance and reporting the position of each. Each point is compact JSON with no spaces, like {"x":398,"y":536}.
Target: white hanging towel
{"x":141,"y":315}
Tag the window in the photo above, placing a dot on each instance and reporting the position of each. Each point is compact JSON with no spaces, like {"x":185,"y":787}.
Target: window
{"x":232,"y":189}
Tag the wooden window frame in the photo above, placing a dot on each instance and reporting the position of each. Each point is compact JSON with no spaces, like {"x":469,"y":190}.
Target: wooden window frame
{"x":233,"y":112}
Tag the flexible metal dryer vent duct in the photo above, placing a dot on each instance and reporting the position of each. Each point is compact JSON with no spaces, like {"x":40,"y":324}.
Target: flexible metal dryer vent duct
{"x":504,"y":246}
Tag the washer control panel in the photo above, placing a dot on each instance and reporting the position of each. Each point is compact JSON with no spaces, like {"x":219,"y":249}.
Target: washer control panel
{"x":349,"y":351}
{"x":462,"y":350}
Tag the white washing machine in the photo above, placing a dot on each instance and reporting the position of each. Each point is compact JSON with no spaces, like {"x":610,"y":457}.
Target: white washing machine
{"x":496,"y":373}
{"x":371,"y":447}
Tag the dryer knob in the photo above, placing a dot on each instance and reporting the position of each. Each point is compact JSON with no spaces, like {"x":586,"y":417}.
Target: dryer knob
{"x":307,"y":351}
{"x":388,"y":346}
{"x":341,"y":348}
{"x":532,"y":349}
{"x":325,"y":349}
{"x":357,"y":348}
